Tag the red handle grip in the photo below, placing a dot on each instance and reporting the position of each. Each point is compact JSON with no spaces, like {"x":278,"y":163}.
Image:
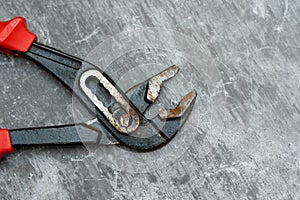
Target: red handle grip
{"x":5,"y":143}
{"x":14,"y":36}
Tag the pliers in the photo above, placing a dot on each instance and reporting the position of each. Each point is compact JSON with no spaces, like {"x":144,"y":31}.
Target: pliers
{"x":120,"y":116}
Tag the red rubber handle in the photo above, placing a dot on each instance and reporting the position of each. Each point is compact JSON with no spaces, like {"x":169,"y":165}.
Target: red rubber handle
{"x":15,"y":37}
{"x":5,"y":143}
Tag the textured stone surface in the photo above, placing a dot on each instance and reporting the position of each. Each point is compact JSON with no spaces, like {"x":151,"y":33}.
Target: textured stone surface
{"x":256,"y":46}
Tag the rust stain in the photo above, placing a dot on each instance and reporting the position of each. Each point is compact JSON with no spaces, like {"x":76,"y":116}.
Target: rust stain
{"x":155,"y":82}
{"x":181,"y":108}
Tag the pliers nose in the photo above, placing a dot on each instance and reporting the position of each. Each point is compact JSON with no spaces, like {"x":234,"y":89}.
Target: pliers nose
{"x":123,"y":120}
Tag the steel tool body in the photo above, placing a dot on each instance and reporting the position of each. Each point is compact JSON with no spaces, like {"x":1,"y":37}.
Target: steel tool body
{"x":120,"y":116}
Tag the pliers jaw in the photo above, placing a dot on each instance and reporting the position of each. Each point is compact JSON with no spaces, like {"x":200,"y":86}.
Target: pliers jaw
{"x":164,"y":126}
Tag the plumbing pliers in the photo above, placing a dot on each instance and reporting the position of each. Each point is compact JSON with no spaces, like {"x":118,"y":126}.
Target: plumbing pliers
{"x":121,"y":119}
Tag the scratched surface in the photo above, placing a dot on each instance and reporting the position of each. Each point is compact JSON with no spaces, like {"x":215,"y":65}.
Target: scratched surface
{"x":256,"y":46}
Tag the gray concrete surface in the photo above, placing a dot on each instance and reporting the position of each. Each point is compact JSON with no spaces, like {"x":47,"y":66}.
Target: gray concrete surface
{"x":256,"y":46}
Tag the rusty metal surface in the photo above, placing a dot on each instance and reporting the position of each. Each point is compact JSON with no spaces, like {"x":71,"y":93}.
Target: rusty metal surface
{"x":155,"y":82}
{"x":181,"y":108}
{"x":115,"y":94}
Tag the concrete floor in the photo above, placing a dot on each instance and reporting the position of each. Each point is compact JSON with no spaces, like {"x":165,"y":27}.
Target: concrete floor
{"x":242,"y":140}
